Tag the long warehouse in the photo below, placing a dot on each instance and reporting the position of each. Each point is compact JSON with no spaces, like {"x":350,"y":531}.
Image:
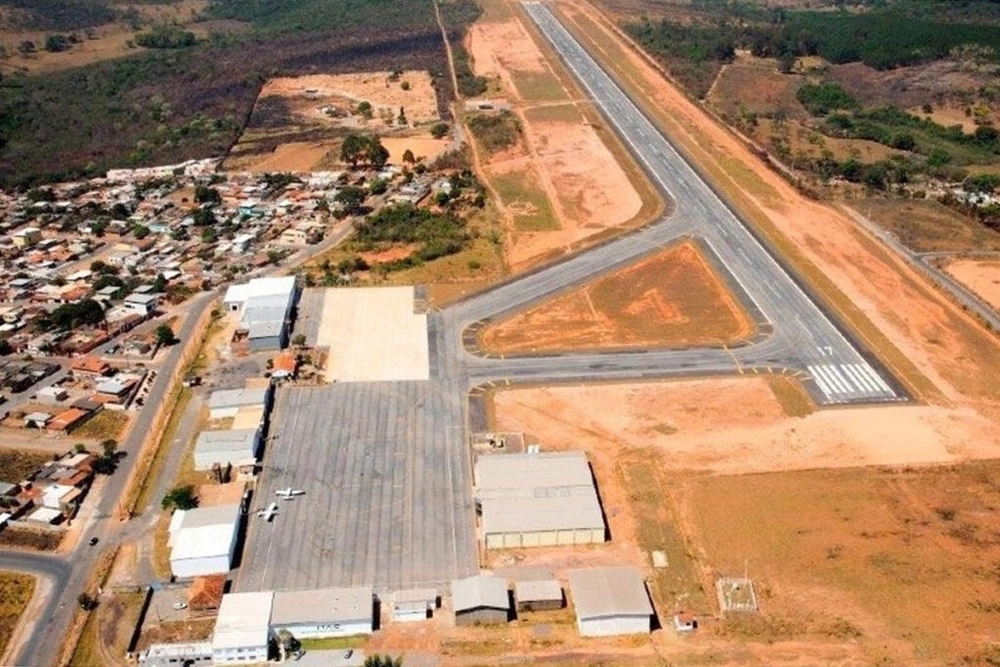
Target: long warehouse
{"x":537,"y":500}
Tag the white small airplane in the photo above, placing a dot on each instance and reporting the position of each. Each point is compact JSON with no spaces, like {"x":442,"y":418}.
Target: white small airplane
{"x":289,"y":493}
{"x":269,"y":512}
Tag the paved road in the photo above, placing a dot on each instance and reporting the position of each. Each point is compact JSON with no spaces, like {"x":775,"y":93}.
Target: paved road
{"x":800,"y":336}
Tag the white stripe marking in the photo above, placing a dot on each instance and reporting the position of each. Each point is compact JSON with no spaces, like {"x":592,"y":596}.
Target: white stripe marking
{"x":820,"y":382}
{"x":876,"y":378}
{"x":859,"y":380}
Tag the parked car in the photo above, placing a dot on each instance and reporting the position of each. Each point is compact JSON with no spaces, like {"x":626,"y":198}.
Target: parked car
{"x":92,"y":541}
{"x":180,"y":604}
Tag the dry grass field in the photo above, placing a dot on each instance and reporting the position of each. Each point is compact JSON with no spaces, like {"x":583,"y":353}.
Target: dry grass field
{"x":108,"y":630}
{"x":754,"y":85}
{"x":16,"y":465}
{"x":16,"y":590}
{"x":106,"y":424}
{"x":927,"y":226}
{"x":981,"y":276}
{"x":672,"y":299}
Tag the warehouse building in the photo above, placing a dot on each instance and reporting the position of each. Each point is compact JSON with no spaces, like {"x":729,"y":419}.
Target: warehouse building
{"x":541,"y":499}
{"x":482,"y":599}
{"x":538,"y":594}
{"x":202,"y":540}
{"x":242,"y":628}
{"x":325,"y":612}
{"x":236,"y":447}
{"x":265,"y":305}
{"x":226,"y":403}
{"x":610,"y":601}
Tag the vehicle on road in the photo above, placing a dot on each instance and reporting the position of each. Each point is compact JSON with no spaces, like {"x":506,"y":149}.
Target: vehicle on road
{"x":348,"y":653}
{"x":92,"y":541}
{"x":180,"y":604}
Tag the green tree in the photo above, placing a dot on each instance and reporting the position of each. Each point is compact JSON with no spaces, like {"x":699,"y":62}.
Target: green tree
{"x":408,"y":156}
{"x":86,"y":602}
{"x":299,"y":339}
{"x":351,"y":197}
{"x":56,"y":43}
{"x":180,"y":497}
{"x":206,"y":195}
{"x":352,"y":150}
{"x":365,"y":110}
{"x":439,"y":130}
{"x":165,"y":335}
{"x":377,"y":660}
{"x":209,"y":235}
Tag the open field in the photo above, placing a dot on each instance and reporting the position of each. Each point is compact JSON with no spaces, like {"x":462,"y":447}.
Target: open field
{"x":872,"y":555}
{"x":297,"y":122}
{"x":673,"y":299}
{"x":17,"y":465}
{"x":16,"y":590}
{"x":981,"y":276}
{"x":106,"y":424}
{"x":927,"y":226}
{"x":753,"y":85}
{"x":108,"y":630}
{"x":568,"y":158}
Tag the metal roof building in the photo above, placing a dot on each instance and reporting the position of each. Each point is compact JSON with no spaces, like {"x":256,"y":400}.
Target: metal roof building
{"x":610,"y":601}
{"x":227,"y":402}
{"x":242,"y":628}
{"x":325,"y":612}
{"x":226,"y":447}
{"x":203,"y":540}
{"x":480,"y":599}
{"x":543,"y":499}
{"x":537,"y":594}
{"x":266,"y":305}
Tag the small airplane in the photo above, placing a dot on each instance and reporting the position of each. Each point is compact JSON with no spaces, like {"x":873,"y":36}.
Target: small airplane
{"x":289,"y":493}
{"x":269,"y":512}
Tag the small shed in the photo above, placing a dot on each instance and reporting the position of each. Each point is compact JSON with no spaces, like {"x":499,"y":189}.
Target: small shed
{"x":538,"y":594}
{"x":685,"y":622}
{"x":482,"y":599}
{"x":610,"y":601}
{"x":51,"y":394}
{"x":415,"y":604}
{"x":37,"y":419}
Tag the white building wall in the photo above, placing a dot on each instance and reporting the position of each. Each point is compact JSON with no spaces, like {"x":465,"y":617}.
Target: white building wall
{"x":185,"y":568}
{"x":321,"y":630}
{"x":614,"y":625}
{"x":241,"y":655}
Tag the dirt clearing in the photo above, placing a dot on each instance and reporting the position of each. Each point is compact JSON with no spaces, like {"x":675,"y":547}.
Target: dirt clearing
{"x":981,"y":276}
{"x":927,"y":226}
{"x":576,"y":186}
{"x":673,"y":299}
{"x":426,"y":148}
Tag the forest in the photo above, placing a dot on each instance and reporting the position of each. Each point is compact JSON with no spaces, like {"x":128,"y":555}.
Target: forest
{"x":166,"y":105}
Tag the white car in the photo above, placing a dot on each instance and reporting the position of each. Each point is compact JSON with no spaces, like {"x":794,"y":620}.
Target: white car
{"x":180,"y":604}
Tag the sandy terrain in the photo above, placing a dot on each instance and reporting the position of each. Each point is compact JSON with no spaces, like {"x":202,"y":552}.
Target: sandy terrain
{"x":981,"y":276}
{"x":419,"y":101}
{"x":295,"y":156}
{"x":423,"y":147}
{"x":588,"y":190}
{"x":949,"y":348}
{"x":695,"y":425}
{"x":671,"y":299}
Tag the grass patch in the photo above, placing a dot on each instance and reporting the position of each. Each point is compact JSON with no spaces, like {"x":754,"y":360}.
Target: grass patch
{"x":538,"y":86}
{"x":16,"y":590}
{"x":495,"y":131}
{"x":553,"y":113}
{"x":108,"y":629}
{"x":105,"y":424}
{"x":791,"y":395}
{"x":27,"y":538}
{"x":677,"y":586}
{"x":18,"y":465}
{"x":179,"y":398}
{"x":927,"y":226}
{"x":529,"y":205}
{"x":333,"y":643}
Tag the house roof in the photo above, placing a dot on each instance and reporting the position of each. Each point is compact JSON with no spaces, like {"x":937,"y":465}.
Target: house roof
{"x":206,"y":592}
{"x":536,"y":590}
{"x":324,"y":605}
{"x":482,"y":590}
{"x":68,"y":418}
{"x":600,"y":592}
{"x":234,"y":398}
{"x":259,"y":287}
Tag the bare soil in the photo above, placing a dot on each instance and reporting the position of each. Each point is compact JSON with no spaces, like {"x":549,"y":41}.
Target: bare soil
{"x":981,"y":276}
{"x":672,"y":299}
{"x":587,"y":190}
{"x":836,"y":552}
{"x":424,"y":148}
